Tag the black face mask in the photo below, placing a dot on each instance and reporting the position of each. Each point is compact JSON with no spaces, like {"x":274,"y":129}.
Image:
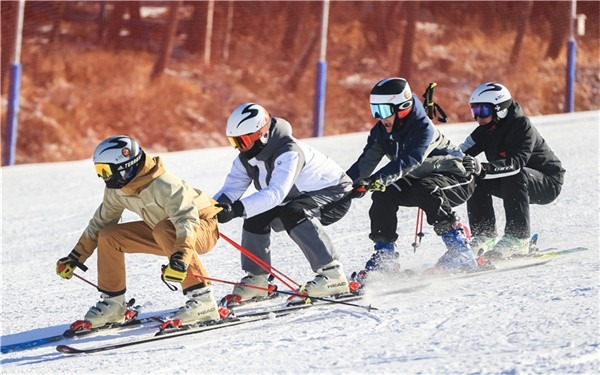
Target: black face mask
{"x":492,"y":124}
{"x":254,"y":150}
{"x":117,"y":181}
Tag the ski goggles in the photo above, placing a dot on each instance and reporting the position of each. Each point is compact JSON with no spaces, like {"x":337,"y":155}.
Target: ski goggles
{"x":103,"y":170}
{"x":386,"y":110}
{"x":245,"y":142}
{"x":382,"y":110}
{"x":481,"y":110}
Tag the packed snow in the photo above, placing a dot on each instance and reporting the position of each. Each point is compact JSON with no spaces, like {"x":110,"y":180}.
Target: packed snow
{"x":537,"y":320}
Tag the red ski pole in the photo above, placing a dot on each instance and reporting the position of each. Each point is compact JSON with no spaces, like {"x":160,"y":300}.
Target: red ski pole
{"x":89,"y":282}
{"x":418,"y":229}
{"x":270,"y":289}
{"x":261,"y":263}
{"x":368,"y":308}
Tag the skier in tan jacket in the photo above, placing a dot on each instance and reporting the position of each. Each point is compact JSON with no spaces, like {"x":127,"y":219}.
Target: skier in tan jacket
{"x":177,"y":221}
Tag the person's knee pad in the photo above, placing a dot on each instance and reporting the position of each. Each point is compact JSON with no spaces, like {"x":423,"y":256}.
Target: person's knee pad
{"x":292,"y":215}
{"x":256,"y":225}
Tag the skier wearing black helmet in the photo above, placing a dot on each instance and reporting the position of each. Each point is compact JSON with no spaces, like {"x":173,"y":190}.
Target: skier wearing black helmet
{"x":177,"y":222}
{"x":424,"y":169}
{"x":521,"y":169}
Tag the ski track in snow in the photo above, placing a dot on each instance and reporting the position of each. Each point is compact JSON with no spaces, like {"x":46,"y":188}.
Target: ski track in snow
{"x":542,"y":320}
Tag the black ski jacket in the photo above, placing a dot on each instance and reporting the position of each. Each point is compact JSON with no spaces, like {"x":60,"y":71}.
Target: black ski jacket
{"x":415,"y":148}
{"x":511,"y":145}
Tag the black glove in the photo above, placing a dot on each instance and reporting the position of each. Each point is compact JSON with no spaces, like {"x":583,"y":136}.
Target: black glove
{"x":230,"y":211}
{"x":358,"y":191}
{"x":472,"y":165}
{"x":176,"y":270}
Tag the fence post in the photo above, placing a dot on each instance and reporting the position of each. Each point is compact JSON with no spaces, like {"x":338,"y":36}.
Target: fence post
{"x":12,"y":112}
{"x":321,"y":75}
{"x":571,"y":58}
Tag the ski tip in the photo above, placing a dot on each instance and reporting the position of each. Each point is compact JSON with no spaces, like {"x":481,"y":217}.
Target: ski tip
{"x":67,"y":349}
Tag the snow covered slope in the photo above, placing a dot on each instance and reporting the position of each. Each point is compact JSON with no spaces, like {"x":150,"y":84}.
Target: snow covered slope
{"x":538,"y":320}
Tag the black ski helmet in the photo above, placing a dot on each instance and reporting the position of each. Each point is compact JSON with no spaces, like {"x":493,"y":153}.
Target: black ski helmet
{"x":389,"y":96}
{"x":117,"y":160}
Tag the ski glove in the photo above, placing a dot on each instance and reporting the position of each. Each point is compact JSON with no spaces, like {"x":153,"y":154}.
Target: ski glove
{"x":176,"y":271}
{"x":230,"y":211}
{"x":364,"y":186}
{"x":358,"y":191}
{"x":65,"y":267}
{"x":472,"y":165}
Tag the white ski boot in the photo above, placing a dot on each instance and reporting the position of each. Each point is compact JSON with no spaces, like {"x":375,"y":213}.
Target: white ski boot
{"x":107,"y":310}
{"x":329,"y":281}
{"x":200,"y":307}
{"x":247,"y":292}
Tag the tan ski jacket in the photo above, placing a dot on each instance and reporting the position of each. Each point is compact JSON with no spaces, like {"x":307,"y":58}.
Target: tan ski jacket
{"x":154,"y":194}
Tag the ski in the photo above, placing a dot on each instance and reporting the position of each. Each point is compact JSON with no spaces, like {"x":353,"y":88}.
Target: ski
{"x":70,"y":333}
{"x":186,"y":331}
{"x":554,"y":252}
{"x":136,"y":322}
{"x":24,"y":345}
{"x":503,"y":267}
{"x":416,"y":280}
{"x":248,"y":317}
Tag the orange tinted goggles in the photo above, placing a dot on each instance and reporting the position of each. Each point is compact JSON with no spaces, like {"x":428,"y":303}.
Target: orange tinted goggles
{"x":246,"y":141}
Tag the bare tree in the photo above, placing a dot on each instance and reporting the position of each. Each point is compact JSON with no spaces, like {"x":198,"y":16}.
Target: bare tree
{"x":228,"y":28}
{"x":57,"y":16}
{"x":194,"y":32}
{"x":412,"y":12}
{"x":9,"y":20}
{"x":166,"y":46}
{"x":558,"y":16}
{"x":301,"y":65}
{"x":522,"y":26}
{"x":294,"y":11}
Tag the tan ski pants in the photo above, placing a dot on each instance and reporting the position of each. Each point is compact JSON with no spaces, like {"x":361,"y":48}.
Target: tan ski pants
{"x":137,"y":237}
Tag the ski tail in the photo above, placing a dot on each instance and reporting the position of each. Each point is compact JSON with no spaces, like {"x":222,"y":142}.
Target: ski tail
{"x":30,"y":344}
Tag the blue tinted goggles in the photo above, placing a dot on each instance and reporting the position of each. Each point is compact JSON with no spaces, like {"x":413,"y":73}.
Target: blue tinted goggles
{"x":481,"y":110}
{"x":382,"y":110}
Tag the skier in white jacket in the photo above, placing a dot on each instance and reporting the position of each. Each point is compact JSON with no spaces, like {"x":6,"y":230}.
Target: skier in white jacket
{"x":297,"y":189}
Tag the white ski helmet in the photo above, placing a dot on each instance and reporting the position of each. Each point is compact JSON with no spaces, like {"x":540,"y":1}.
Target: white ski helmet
{"x":247,"y":124}
{"x":490,"y":98}
{"x":389,"y":96}
{"x":117,"y":160}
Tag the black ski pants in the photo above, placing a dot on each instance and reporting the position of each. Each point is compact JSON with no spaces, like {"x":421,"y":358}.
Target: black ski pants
{"x":435,"y":194}
{"x":303,"y":219}
{"x":517,"y":192}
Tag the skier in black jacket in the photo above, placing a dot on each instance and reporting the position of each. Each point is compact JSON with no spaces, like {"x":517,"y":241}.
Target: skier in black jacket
{"x":521,"y":169}
{"x":424,"y":169}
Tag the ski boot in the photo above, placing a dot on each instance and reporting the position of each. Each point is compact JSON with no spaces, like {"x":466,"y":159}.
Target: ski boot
{"x":459,"y":257}
{"x":251,"y":288}
{"x":509,"y":246}
{"x":329,"y":281}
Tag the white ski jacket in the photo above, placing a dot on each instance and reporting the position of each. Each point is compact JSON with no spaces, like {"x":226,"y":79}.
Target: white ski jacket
{"x":284,"y":169}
